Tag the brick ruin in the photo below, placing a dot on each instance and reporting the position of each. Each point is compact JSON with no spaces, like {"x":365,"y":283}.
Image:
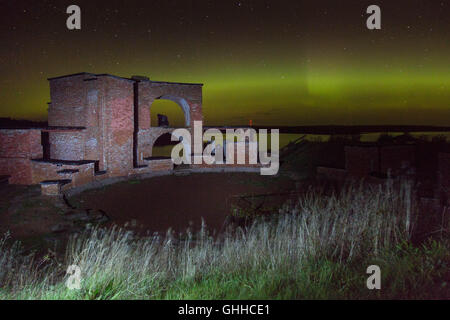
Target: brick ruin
{"x":361,"y":161}
{"x":375,"y":163}
{"x":98,"y":127}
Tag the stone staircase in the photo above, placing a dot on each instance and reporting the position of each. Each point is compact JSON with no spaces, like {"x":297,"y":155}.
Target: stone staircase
{"x":53,"y":187}
{"x":62,"y":174}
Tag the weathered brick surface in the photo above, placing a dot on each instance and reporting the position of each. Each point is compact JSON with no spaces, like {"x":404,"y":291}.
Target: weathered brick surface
{"x":68,"y":101}
{"x":160,"y":165}
{"x":50,"y":189}
{"x":104,"y":106}
{"x":52,"y":171}
{"x":36,"y":149}
{"x":187,"y":96}
{"x":85,"y":175}
{"x":18,"y":168}
{"x":66,"y":145}
{"x":361,"y":160}
{"x":147,"y":139}
{"x":16,"y":148}
{"x":24,"y":143}
{"x":92,"y":117}
{"x":119,"y":124}
{"x":191,"y":94}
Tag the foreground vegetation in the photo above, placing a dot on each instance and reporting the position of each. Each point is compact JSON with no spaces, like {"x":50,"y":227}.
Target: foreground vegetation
{"x":318,"y":248}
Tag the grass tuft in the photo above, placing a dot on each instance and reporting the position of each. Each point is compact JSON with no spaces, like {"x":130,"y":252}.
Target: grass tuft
{"x":318,"y":248}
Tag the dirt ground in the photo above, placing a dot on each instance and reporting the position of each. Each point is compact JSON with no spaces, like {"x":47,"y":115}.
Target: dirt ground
{"x":151,"y":205}
{"x":178,"y":202}
{"x":29,"y":217}
{"x":24,"y":212}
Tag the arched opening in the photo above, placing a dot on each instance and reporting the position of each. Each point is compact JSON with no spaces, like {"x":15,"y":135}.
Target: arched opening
{"x":162,"y":147}
{"x":170,"y":111}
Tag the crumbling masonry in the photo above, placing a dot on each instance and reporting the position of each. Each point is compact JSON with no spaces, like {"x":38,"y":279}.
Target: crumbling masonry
{"x":98,"y":127}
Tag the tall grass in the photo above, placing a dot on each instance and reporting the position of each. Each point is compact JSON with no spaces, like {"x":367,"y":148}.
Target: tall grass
{"x":303,"y":251}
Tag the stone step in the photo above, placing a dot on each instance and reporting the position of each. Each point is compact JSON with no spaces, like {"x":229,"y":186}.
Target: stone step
{"x":53,"y":187}
{"x":64,"y":162}
{"x":67,"y":171}
{"x":100,"y":173}
{"x":156,"y":158}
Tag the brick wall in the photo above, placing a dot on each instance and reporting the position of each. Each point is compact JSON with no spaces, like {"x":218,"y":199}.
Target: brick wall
{"x":119,"y":125}
{"x":104,"y":106}
{"x":43,"y":170}
{"x":18,"y":168}
{"x":17,"y":147}
{"x":74,"y":104}
{"x":146,"y":140}
{"x":68,"y":101}
{"x":20,"y":143}
{"x":50,"y":189}
{"x":188,"y":96}
{"x":160,"y":165}
{"x":91,"y":118}
{"x":148,"y":91}
{"x":66,"y":145}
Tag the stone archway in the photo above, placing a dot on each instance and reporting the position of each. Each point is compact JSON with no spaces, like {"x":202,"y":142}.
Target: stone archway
{"x":186,"y":95}
{"x":166,"y":138}
{"x":157,"y":133}
{"x":179,"y":101}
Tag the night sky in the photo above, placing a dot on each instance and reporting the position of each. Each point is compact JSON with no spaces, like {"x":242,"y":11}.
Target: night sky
{"x":275,"y":62}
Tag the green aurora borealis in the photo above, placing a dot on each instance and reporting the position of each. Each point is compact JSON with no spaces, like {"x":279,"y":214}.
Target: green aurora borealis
{"x":277,"y":63}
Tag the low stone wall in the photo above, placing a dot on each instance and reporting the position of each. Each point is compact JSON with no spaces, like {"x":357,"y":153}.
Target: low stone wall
{"x":146,"y":140}
{"x":17,"y":147}
{"x":20,"y":143}
{"x":53,"y":187}
{"x":160,"y":164}
{"x":224,"y":166}
{"x":140,"y":175}
{"x":78,"y":173}
{"x":19,"y":170}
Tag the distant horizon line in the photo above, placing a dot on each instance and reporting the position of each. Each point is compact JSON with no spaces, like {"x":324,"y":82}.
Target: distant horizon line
{"x":311,"y":129}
